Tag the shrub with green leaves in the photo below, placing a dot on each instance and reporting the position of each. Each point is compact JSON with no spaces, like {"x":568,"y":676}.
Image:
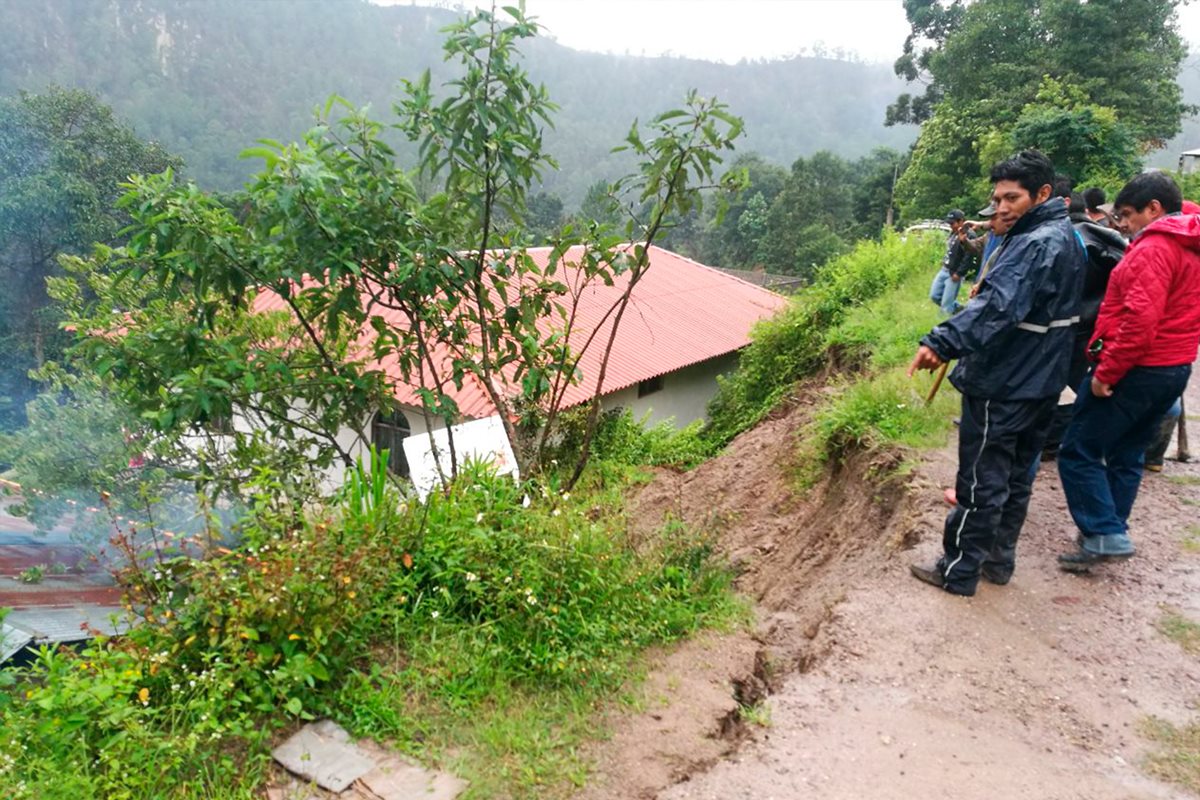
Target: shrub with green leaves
{"x":488,"y":589}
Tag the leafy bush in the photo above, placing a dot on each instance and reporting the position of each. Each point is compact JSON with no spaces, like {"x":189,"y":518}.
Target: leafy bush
{"x":623,"y":440}
{"x":491,"y":587}
{"x":792,"y":345}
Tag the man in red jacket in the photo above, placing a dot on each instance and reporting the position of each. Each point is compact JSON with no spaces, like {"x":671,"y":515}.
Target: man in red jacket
{"x":1144,"y":344}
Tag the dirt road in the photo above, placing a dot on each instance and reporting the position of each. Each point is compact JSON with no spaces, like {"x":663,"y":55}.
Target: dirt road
{"x":1039,"y":689}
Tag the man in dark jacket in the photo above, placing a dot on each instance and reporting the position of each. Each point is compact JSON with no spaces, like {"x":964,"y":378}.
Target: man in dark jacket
{"x":1104,"y":248}
{"x":1013,"y":342}
{"x":1145,"y":341}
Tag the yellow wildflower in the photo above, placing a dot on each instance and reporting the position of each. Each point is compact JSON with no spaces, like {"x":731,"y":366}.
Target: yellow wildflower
{"x":144,"y":695}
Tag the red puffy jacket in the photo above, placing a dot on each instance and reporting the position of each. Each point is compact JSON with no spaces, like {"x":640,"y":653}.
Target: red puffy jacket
{"x":1150,"y":316}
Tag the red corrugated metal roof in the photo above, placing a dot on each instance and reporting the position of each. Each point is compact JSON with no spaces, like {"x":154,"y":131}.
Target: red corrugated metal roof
{"x":680,"y":313}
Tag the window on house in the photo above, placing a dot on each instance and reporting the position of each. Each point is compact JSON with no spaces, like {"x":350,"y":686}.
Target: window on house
{"x":650,"y":386}
{"x":389,"y":429}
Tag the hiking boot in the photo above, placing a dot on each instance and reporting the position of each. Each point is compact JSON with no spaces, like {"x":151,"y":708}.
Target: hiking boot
{"x":995,"y":574}
{"x":1082,"y":560}
{"x":933,"y":576}
{"x":1154,"y":466}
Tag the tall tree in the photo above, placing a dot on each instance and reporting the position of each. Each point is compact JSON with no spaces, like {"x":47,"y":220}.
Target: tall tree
{"x":807,"y":220}
{"x":985,"y":62}
{"x":1124,"y":54}
{"x":63,"y":157}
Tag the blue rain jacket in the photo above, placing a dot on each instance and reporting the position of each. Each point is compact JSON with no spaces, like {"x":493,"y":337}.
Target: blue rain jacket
{"x":1014,"y":338}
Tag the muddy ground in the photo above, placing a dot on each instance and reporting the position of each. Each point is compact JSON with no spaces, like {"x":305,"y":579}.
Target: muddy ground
{"x":871,"y":684}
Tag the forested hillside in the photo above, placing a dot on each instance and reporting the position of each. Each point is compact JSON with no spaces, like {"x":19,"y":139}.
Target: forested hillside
{"x":208,"y":77}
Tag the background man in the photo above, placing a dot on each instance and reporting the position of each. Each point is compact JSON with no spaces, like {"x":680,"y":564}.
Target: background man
{"x":1145,"y":342}
{"x":957,"y":262}
{"x":1014,"y":344}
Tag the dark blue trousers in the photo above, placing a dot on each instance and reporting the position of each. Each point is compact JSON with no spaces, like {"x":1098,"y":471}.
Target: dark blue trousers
{"x":1102,"y":452}
{"x":998,"y":443}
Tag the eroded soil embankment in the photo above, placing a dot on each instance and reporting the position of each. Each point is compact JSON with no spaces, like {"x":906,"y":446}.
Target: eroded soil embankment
{"x":796,"y":553}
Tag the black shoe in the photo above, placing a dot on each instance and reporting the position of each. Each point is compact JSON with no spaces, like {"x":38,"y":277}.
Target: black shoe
{"x":1082,"y":560}
{"x":931,"y":575}
{"x":996,"y":575}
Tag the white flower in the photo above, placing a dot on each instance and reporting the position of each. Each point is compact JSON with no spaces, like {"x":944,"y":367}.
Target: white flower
{"x":566,"y":495}
{"x":555,"y":513}
{"x":508,"y":578}
{"x":525,"y":501}
{"x":479,"y":517}
{"x":434,"y":614}
{"x":531,"y":600}
{"x":471,"y":577}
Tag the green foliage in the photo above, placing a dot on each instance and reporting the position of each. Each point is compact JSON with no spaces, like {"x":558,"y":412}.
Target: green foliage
{"x":32,"y":574}
{"x":623,"y":440}
{"x":473,"y":598}
{"x":995,"y":53}
{"x":1084,"y":140}
{"x":879,"y":411}
{"x":882,"y":408}
{"x":804,"y":219}
{"x":793,"y":345}
{"x":63,"y":156}
{"x":944,"y":170}
{"x":881,"y":333}
{"x":987,"y":66}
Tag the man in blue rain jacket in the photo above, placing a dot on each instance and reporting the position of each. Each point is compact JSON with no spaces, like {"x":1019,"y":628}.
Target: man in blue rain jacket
{"x":1013,"y":343}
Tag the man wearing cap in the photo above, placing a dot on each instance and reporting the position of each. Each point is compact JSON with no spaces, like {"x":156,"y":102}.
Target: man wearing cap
{"x":957,"y":261}
{"x":1013,"y":342}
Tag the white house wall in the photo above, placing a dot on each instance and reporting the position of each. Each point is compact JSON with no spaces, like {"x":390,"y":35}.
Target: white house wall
{"x":684,"y":396}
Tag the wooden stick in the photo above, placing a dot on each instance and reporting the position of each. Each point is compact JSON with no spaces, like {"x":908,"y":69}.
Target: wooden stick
{"x":937,"y":382}
{"x":1181,"y":443}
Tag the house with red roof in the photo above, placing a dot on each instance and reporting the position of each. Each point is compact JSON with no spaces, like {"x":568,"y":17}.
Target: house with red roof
{"x":684,"y":326}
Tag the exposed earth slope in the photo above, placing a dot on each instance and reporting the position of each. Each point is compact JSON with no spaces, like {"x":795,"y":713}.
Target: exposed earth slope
{"x":881,"y":686}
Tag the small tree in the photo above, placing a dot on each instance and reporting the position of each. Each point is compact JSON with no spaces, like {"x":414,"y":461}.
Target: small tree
{"x":333,"y":238}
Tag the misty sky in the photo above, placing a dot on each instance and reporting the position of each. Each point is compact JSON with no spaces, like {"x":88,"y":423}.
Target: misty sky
{"x":730,"y":30}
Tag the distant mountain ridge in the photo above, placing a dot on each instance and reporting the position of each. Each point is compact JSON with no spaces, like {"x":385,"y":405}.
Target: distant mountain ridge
{"x":208,"y":77}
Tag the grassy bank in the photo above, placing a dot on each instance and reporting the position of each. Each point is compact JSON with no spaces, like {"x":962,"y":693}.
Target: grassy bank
{"x":860,"y":321}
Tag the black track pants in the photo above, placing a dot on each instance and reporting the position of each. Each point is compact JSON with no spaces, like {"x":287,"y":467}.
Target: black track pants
{"x":998,"y":445}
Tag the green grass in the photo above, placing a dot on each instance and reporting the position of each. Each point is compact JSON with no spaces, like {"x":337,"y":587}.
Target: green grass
{"x":758,"y":714}
{"x":794,"y":344}
{"x":1184,"y":480}
{"x":884,"y":332}
{"x":882,"y":408}
{"x":1191,"y":539}
{"x":1181,"y":630}
{"x":1178,"y":757}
